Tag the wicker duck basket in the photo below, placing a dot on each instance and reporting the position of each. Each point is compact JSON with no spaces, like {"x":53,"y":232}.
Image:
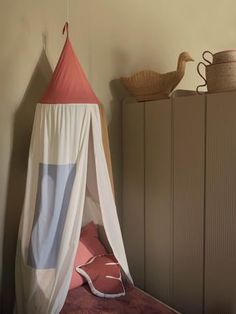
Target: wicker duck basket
{"x":144,"y":85}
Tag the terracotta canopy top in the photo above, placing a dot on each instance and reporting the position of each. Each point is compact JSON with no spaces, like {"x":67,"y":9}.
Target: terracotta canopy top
{"x":69,"y":83}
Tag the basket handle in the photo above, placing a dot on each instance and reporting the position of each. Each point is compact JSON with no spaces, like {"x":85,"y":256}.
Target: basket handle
{"x":204,"y":56}
{"x":198,"y":70}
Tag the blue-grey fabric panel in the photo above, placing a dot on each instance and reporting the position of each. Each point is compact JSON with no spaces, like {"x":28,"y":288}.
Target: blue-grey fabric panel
{"x":55,"y":183}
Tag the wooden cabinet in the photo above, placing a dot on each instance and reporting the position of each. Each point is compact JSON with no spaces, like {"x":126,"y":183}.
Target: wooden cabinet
{"x":179,"y":200}
{"x":133,"y":188}
{"x":220,"y":222}
{"x":188,"y":202}
{"x":157,"y":190}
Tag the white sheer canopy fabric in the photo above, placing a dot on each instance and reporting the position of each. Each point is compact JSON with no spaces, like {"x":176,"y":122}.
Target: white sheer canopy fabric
{"x":67,"y":175}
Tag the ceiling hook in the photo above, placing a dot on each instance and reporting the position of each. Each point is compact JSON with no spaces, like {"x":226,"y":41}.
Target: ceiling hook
{"x":66,"y":28}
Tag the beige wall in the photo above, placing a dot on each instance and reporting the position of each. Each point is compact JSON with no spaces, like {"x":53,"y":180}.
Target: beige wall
{"x":112,"y":38}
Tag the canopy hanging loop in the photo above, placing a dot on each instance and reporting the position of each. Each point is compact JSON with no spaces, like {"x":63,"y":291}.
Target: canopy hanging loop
{"x":66,"y":28}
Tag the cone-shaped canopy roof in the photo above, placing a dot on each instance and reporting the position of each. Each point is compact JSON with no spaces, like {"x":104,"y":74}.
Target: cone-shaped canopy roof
{"x":69,"y":83}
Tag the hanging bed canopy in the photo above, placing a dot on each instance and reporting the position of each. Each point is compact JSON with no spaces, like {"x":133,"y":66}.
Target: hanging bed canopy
{"x":69,"y":177}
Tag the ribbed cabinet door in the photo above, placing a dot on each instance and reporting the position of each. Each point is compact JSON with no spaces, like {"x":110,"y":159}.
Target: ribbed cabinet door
{"x":158,"y":216}
{"x":133,"y":188}
{"x":188,"y":203}
{"x":220,"y":267}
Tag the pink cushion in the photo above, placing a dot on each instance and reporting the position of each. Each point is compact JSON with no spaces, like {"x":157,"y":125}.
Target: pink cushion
{"x":89,"y":246}
{"x":103,"y":274}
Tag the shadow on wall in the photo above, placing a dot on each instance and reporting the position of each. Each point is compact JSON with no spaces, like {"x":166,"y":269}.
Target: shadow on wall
{"x":23,"y":122}
{"x":115,"y":132}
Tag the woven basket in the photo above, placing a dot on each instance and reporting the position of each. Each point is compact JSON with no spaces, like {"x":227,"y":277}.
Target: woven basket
{"x":221,"y":77}
{"x":144,"y":85}
{"x":219,"y":57}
